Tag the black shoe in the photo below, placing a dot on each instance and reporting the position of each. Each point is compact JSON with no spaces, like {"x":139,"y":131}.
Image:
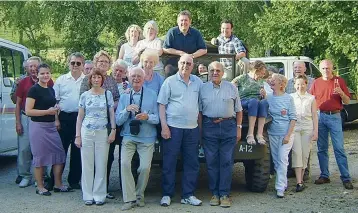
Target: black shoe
{"x":300,"y":187}
{"x":322,"y":180}
{"x":110,"y":196}
{"x":75,"y":186}
{"x":348,"y":184}
{"x":63,"y":189}
{"x":49,"y":186}
{"x":18,"y":179}
{"x":44,"y":193}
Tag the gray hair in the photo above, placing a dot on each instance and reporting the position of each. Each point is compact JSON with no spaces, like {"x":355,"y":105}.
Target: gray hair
{"x":76,"y":55}
{"x":150,"y":23}
{"x":211,"y":65}
{"x":136,"y":69}
{"x":185,"y":13}
{"x":272,"y":69}
{"x":34,"y":58}
{"x":24,"y":64}
{"x":121,"y":63}
{"x":88,"y":62}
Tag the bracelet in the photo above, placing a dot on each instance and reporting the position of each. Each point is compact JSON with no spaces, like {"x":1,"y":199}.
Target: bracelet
{"x":77,"y":136}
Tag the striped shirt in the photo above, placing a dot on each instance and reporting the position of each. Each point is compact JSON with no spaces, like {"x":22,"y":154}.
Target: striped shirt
{"x":219,"y":101}
{"x":282,"y":110}
{"x":290,"y":88}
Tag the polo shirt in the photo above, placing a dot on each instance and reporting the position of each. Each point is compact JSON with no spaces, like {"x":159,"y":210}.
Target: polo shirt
{"x":24,"y":87}
{"x":189,"y":43}
{"x":67,"y":92}
{"x":323,"y":92}
{"x":181,"y":100}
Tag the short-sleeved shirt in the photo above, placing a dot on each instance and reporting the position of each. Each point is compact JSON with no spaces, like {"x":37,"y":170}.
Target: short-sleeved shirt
{"x":181,"y":100}
{"x":290,"y":88}
{"x":17,"y":81}
{"x":219,"y":101}
{"x":323,"y":92}
{"x":109,"y":84}
{"x":232,"y":45}
{"x":156,"y":83}
{"x":44,"y":99}
{"x":282,"y":110}
{"x":95,"y":109}
{"x":24,"y":87}
{"x":249,"y":87}
{"x":303,"y":104}
{"x":128,"y":54}
{"x":189,"y":43}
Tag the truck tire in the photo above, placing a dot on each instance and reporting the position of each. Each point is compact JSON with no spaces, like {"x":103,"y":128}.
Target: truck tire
{"x":257,"y":172}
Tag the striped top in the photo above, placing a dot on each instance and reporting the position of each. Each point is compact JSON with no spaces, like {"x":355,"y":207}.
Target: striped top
{"x":220,"y":101}
{"x":282,"y":110}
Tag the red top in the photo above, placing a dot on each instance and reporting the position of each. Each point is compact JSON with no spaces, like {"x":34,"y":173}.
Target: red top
{"x":24,"y":87}
{"x":323,"y":92}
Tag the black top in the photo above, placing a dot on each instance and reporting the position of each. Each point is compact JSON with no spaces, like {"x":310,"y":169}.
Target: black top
{"x":44,"y":99}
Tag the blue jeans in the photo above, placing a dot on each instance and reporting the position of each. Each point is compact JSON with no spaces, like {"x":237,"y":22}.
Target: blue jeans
{"x":185,"y":141}
{"x":255,"y":107}
{"x":331,"y":124}
{"x":219,"y":144}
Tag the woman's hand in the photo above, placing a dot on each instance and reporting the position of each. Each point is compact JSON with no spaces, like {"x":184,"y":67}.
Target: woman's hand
{"x":263,"y":93}
{"x":57,"y":124}
{"x":314,"y":136}
{"x":52,"y":111}
{"x":78,"y":142}
{"x":112,"y":136}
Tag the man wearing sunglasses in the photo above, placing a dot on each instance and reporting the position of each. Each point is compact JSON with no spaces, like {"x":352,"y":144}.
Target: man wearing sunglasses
{"x":178,"y":109}
{"x":67,"y":91}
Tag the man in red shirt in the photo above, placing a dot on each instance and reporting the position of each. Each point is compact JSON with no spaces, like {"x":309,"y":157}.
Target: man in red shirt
{"x":330,"y":91}
{"x":24,"y":158}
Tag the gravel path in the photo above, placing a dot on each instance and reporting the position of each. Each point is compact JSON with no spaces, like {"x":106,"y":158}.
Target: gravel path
{"x":325,"y":198}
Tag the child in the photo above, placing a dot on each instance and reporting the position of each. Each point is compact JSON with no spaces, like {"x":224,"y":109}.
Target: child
{"x":306,"y":129}
{"x":283,"y":113}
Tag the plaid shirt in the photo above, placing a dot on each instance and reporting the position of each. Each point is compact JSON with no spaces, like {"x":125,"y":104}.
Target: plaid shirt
{"x":290,"y":88}
{"x":231,"y":46}
{"x":109,"y":84}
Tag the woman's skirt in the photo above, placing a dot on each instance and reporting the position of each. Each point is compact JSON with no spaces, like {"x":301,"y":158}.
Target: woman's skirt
{"x":46,"y":145}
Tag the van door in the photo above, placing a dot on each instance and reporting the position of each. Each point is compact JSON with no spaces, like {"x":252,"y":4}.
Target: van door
{"x":11,"y":68}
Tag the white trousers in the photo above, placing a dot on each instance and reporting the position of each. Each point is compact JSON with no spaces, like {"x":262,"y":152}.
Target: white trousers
{"x":279,"y":153}
{"x":94,"y":156}
{"x":24,"y":156}
{"x":130,"y":191}
{"x":301,"y":148}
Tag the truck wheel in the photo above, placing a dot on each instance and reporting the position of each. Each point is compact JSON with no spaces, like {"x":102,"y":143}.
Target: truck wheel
{"x":257,"y":172}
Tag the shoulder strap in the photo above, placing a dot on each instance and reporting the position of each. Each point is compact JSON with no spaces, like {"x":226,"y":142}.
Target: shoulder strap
{"x":105,"y":94}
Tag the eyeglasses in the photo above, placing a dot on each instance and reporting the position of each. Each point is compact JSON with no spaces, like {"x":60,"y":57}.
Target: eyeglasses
{"x":185,"y":62}
{"x":104,"y":62}
{"x":75,"y":62}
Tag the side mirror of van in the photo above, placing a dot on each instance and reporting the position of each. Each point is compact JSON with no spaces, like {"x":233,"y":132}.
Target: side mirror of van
{"x":7,"y":82}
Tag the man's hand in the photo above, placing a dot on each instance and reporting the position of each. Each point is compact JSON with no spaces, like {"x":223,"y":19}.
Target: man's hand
{"x":286,"y":139}
{"x":132,"y":108}
{"x":19,"y":129}
{"x":112,"y":136}
{"x":142,"y":116}
{"x":263,"y":93}
{"x":78,"y":142}
{"x":57,"y":124}
{"x":339,"y":91}
{"x":238,"y":134}
{"x":214,"y":41}
{"x":166,"y":132}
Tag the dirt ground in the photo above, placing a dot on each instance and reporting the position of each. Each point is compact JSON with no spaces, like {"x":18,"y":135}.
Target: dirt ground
{"x":316,"y":198}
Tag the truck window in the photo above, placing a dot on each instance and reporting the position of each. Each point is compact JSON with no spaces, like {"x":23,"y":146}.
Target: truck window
{"x":314,"y":71}
{"x":278,"y":65}
{"x":11,"y":63}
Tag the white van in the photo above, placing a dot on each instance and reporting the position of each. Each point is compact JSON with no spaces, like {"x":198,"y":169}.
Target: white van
{"x":12,"y":56}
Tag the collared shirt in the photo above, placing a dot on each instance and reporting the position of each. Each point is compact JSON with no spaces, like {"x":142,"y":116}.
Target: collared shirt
{"x":24,"y":87}
{"x":181,"y":100}
{"x":189,"y":43}
{"x":109,"y":84}
{"x":219,"y":101}
{"x":148,"y":131}
{"x":156,"y":83}
{"x":67,"y":92}
{"x":303,"y":104}
{"x":16,"y":83}
{"x":233,"y":45}
{"x":290,"y":88}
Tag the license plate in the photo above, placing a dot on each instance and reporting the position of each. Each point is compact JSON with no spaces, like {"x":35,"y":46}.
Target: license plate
{"x":245,"y":148}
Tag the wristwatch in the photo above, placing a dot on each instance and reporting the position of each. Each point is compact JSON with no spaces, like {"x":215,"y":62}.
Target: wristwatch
{"x":239,"y":125}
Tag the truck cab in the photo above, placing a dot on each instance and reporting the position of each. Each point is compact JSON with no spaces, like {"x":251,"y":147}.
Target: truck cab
{"x":12,"y":56}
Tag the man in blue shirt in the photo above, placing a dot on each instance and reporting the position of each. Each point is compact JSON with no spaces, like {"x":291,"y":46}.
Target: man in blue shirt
{"x":178,"y":110}
{"x":138,"y":113}
{"x":184,"y":39}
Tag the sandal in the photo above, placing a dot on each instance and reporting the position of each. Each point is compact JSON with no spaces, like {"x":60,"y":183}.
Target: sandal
{"x":43,"y":192}
{"x":63,"y":189}
{"x":260,"y":139}
{"x":250,"y":140}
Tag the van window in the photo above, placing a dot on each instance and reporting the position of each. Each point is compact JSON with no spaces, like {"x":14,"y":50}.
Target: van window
{"x":11,"y":63}
{"x":278,"y":65}
{"x":314,"y":72}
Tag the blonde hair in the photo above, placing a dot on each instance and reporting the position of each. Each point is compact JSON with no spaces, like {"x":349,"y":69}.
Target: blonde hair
{"x":282,"y":79}
{"x":137,"y":28}
{"x":152,"y":24}
{"x":99,"y":54}
{"x":150,"y":54}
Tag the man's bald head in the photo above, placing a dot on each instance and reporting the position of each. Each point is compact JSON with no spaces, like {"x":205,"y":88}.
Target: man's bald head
{"x":326,"y":69}
{"x":186,"y":64}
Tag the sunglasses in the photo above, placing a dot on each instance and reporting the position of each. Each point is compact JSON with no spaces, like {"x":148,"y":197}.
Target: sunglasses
{"x":77,"y":63}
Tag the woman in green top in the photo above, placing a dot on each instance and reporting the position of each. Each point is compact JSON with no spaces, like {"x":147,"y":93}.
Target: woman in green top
{"x":252,"y":95}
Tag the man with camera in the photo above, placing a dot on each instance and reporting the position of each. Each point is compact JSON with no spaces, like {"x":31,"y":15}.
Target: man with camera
{"x":138,"y":113}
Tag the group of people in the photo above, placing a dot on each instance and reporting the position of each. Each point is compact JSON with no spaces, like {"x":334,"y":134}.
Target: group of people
{"x":143,"y":101}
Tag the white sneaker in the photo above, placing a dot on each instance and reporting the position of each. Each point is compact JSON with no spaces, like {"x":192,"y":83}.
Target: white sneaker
{"x":165,"y":201}
{"x":24,"y":183}
{"x":192,"y":200}
{"x":280,"y":194}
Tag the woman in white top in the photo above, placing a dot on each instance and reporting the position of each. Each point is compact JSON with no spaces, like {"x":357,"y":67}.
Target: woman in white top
{"x":306,"y":129}
{"x":151,"y":42}
{"x":133,"y":35}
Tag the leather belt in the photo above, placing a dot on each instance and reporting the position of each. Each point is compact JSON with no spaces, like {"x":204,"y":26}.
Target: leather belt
{"x":331,"y":112}
{"x":218,"y":120}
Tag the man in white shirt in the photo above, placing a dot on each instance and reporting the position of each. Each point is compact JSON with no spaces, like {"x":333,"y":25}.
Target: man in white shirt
{"x":67,"y":91}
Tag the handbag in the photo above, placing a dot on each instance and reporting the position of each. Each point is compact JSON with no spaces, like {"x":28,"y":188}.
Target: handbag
{"x":108,"y":126}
